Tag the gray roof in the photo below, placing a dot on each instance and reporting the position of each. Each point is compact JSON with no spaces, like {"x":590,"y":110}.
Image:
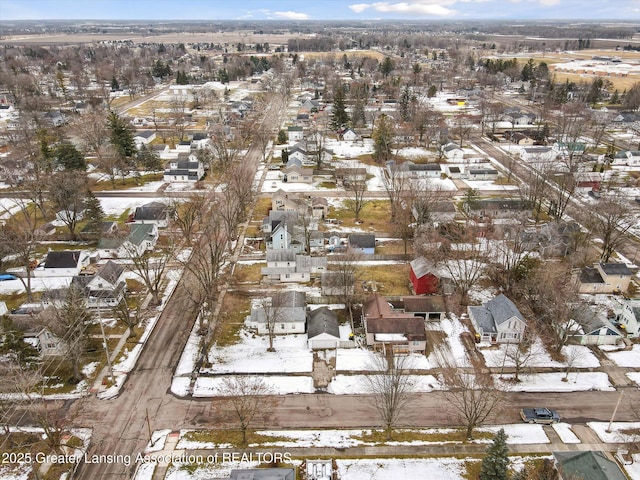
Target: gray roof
{"x":62,"y":259}
{"x":284,"y":255}
{"x":292,"y":310}
{"x":615,"y":269}
{"x":151,"y":211}
{"x":590,"y":275}
{"x":139,"y":233}
{"x":503,"y":309}
{"x":483,"y":318}
{"x":110,"y":271}
{"x":589,"y":465}
{"x":323,"y":320}
{"x":483,"y":171}
{"x":362,"y":240}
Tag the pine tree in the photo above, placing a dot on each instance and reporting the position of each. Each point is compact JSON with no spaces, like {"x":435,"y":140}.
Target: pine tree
{"x":383,"y":139}
{"x":495,"y":466}
{"x":93,"y":212}
{"x":339,"y":115}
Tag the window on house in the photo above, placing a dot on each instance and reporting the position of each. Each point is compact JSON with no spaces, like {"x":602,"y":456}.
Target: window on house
{"x":282,"y":326}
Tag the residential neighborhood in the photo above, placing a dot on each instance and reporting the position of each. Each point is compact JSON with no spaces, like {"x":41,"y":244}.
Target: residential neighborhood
{"x":307,"y":251}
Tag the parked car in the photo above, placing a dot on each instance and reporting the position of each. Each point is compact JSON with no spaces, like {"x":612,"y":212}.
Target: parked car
{"x":539,"y":415}
{"x":7,"y":276}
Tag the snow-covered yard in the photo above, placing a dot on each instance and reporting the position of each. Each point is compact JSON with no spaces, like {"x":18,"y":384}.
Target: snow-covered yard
{"x":626,"y":358}
{"x":553,"y":382}
{"x":358,"y":384}
{"x":278,"y":385}
{"x":250,"y":355}
{"x":578,"y":355}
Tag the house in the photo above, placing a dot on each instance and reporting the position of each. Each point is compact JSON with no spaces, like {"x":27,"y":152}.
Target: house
{"x":538,"y":155}
{"x":106,"y":288}
{"x":604,"y":278}
{"x":498,"y":321}
{"x":349,"y":135}
{"x":587,"y":465}
{"x":590,"y":326}
{"x":290,"y":266}
{"x":452,"y":152}
{"x":144,"y":137}
{"x":104,"y":228}
{"x":392,"y":331}
{"x":295,"y":133}
{"x":428,"y":307}
{"x":362,"y":242}
{"x":55,"y":119}
{"x":319,"y":207}
{"x":34,"y":323}
{"x":141,"y":238}
{"x":323,"y":329}
{"x":298,"y":152}
{"x":184,"y":170}
{"x":296,"y":174}
{"x":288,"y":202}
{"x":628,"y":317}
{"x":283,"y":235}
{"x":346,"y":176}
{"x":490,"y":174}
{"x":423,"y":280}
{"x":409,"y":169}
{"x":290,"y":314}
{"x":336,"y":284}
{"x":157,"y":213}
{"x":65,"y":263}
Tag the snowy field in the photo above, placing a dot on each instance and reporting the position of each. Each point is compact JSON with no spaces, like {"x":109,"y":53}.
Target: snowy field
{"x":553,"y":382}
{"x":250,"y":355}
{"x":579,"y":356}
{"x":359,"y":385}
{"x":565,"y":433}
{"x":278,"y":385}
{"x":616,"y":435}
{"x":116,"y":206}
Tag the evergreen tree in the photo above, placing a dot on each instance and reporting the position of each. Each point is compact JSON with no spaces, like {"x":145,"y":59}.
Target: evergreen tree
{"x":282,"y":137}
{"x":284,"y":156}
{"x":405,"y":102}
{"x":148,"y":159}
{"x":69,"y":158}
{"x":14,"y":345}
{"x":433,"y":90}
{"x":386,"y":67}
{"x":114,"y":84}
{"x":383,"y":139}
{"x":495,"y":466}
{"x":121,"y":136}
{"x":93,"y":212}
{"x":339,"y":115}
{"x":358,"y":118}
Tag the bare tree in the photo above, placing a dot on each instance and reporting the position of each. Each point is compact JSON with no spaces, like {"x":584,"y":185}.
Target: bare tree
{"x":473,"y":397}
{"x":129,"y":316}
{"x":519,"y":356}
{"x":150,"y":267}
{"x":610,"y":219}
{"x":394,"y":179}
{"x":509,"y":252}
{"x":392,"y":389}
{"x":68,"y":192}
{"x":272,"y":308}
{"x":190,"y":214}
{"x":356,"y":190}
{"x":70,"y":325}
{"x":248,"y":397}
{"x":346,"y":271}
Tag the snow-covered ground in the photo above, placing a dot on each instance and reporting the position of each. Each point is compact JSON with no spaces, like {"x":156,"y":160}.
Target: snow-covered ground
{"x":250,"y":355}
{"x":115,"y":206}
{"x":387,"y":468}
{"x":579,"y":356}
{"x":616,"y":433}
{"x":626,"y":358}
{"x":565,"y":433}
{"x":358,"y":384}
{"x":278,"y":385}
{"x":553,"y":382}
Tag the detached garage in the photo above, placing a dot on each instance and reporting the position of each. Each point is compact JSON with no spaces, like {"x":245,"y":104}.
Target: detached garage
{"x":323,"y":329}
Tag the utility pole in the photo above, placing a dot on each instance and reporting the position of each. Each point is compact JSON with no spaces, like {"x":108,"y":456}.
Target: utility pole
{"x":615,"y":410}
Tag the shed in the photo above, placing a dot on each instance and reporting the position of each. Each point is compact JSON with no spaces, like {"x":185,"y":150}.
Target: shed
{"x":422,"y":279}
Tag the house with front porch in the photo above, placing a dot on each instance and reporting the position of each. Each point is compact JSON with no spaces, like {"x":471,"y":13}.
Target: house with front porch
{"x":291,"y":266}
{"x":106,"y":288}
{"x":392,"y":331}
{"x":286,"y":310}
{"x":498,"y":321}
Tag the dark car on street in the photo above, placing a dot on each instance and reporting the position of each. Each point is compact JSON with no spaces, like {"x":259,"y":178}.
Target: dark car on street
{"x":539,"y":415}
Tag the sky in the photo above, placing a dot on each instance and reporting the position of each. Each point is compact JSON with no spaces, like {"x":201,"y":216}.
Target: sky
{"x":628,"y":10}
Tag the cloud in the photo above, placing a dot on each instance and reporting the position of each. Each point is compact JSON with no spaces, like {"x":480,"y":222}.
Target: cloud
{"x":418,"y":7}
{"x":292,"y":15}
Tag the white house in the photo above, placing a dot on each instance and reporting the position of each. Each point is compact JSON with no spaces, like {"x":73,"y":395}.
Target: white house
{"x":295,"y":133}
{"x":291,"y":266}
{"x":178,"y":170}
{"x":628,"y":317}
{"x":154,"y":212}
{"x":66,"y":263}
{"x":498,"y":321}
{"x":141,"y":238}
{"x":144,"y":137}
{"x":453,"y":152}
{"x":288,"y":315}
{"x":106,"y":288}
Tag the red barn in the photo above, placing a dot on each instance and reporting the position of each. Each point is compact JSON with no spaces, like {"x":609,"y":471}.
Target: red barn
{"x":424,"y":282}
